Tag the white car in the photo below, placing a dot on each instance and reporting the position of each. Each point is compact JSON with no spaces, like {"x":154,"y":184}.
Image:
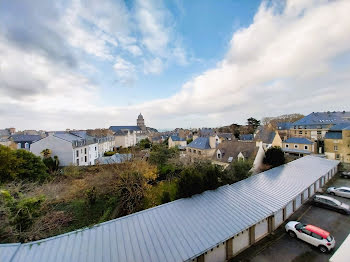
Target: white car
{"x":339,"y":191}
{"x":312,"y":235}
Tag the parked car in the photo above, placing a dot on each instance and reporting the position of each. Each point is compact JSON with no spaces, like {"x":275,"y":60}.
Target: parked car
{"x":345,"y":174}
{"x":312,"y":235}
{"x":331,"y":203}
{"x":339,"y":191}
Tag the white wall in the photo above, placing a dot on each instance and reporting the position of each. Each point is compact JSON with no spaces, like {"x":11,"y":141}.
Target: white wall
{"x":306,"y":194}
{"x":240,"y":241}
{"x":278,"y":218}
{"x":289,"y":209}
{"x":298,"y":201}
{"x":93,"y":154}
{"x":59,"y":147}
{"x":258,"y":159}
{"x":217,"y":255}
{"x":312,"y":190}
{"x":261,"y":229}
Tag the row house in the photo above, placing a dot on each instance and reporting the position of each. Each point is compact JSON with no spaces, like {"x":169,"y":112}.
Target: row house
{"x":202,"y":147}
{"x":299,"y":146}
{"x":70,"y":149}
{"x":125,"y":138}
{"x":315,"y":126}
{"x":24,"y":141}
{"x":337,"y":143}
{"x":174,"y":141}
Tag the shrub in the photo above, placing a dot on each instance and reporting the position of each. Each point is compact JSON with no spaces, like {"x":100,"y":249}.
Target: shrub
{"x":274,"y":156}
{"x":238,"y":170}
{"x":165,"y":197}
{"x":91,"y":196}
{"x":109,"y":153}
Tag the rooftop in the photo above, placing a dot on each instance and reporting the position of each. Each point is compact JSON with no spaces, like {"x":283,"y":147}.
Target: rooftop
{"x":200,"y":143}
{"x":182,"y":229}
{"x":177,"y":138}
{"x":324,"y":118}
{"x":298,"y":140}
{"x":231,"y":149}
{"x":25,"y":138}
{"x":333,"y":135}
{"x":117,"y":128}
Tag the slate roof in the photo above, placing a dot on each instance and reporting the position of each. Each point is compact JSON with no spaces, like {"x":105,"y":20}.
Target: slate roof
{"x":207,"y":131}
{"x":117,"y":128}
{"x":177,"y":138}
{"x":183,"y":229}
{"x":323,"y":118}
{"x":246,"y":137}
{"x":227,"y":136}
{"x":233,"y":148}
{"x":265,"y":135}
{"x":298,"y":140}
{"x":333,"y":135}
{"x":25,"y":138}
{"x":342,"y":126}
{"x":284,"y":125}
{"x":200,"y":143}
{"x":68,"y":137}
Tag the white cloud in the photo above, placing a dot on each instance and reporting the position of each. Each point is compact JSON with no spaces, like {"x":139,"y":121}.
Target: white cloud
{"x":125,"y":71}
{"x":284,"y":62}
{"x":153,"y":66}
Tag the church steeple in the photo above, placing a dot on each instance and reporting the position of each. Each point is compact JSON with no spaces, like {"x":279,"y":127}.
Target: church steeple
{"x":141,"y":122}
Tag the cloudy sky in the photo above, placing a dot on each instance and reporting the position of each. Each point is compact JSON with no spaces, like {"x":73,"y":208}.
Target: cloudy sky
{"x":86,"y":63}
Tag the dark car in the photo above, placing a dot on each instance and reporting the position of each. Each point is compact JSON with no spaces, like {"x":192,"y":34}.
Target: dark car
{"x":345,"y":174}
{"x":331,"y":203}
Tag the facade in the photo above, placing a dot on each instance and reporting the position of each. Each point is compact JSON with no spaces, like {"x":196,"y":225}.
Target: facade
{"x":69,"y":148}
{"x":283,"y":129}
{"x":212,"y":227}
{"x":337,"y":143}
{"x":299,"y":146}
{"x":174,"y":141}
{"x":267,"y":137}
{"x":229,"y":151}
{"x":125,"y":138}
{"x":315,"y":126}
{"x":24,"y":141}
{"x":7,"y":132}
{"x":202,"y":147}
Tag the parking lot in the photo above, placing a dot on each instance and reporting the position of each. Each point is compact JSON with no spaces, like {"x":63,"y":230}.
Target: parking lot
{"x":279,"y":246}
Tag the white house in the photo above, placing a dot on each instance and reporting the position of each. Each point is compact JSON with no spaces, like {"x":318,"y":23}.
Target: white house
{"x":125,"y":138}
{"x":70,"y":148}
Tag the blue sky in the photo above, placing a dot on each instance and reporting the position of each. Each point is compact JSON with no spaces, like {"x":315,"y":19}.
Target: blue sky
{"x":88,"y":64}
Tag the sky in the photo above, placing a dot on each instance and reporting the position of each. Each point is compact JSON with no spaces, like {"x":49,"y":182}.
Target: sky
{"x":202,"y":63}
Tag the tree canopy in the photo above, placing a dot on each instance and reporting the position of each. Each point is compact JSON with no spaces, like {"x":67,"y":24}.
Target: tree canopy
{"x":274,"y":156}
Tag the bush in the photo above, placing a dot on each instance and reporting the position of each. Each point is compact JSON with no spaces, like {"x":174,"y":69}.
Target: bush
{"x":274,"y":156}
{"x":21,"y":211}
{"x":190,"y":183}
{"x":160,"y":154}
{"x":145,"y":143}
{"x":91,"y":196}
{"x":21,"y":164}
{"x":238,"y":170}
{"x":166,"y":197}
{"x":109,"y":153}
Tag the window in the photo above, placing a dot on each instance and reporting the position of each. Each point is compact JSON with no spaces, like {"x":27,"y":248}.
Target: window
{"x":77,"y":153}
{"x":199,"y":152}
{"x":19,"y":146}
{"x":81,"y":150}
{"x":194,"y":151}
{"x":305,"y":231}
{"x":85,"y":158}
{"x":85,"y":151}
{"x":189,"y":150}
{"x":295,"y":132}
{"x":287,"y":146}
{"x":337,"y":156}
{"x":95,"y":148}
{"x":295,"y":146}
{"x":335,"y":148}
{"x":300,"y":132}
{"x":219,"y":155}
{"x":306,"y":147}
{"x":319,"y":132}
{"x":316,"y":236}
{"x":26,"y":145}
{"x":77,"y":161}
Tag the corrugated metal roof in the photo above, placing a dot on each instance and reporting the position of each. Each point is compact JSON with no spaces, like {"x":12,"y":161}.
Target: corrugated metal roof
{"x":7,"y":251}
{"x":182,"y":229}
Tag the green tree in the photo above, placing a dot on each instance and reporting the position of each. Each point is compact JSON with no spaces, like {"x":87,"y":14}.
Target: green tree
{"x":274,"y":156}
{"x":238,"y":170}
{"x":190,"y":183}
{"x":160,"y":154}
{"x":145,"y":143}
{"x":30,"y":167}
{"x":252,"y":124}
{"x":8,"y":163}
